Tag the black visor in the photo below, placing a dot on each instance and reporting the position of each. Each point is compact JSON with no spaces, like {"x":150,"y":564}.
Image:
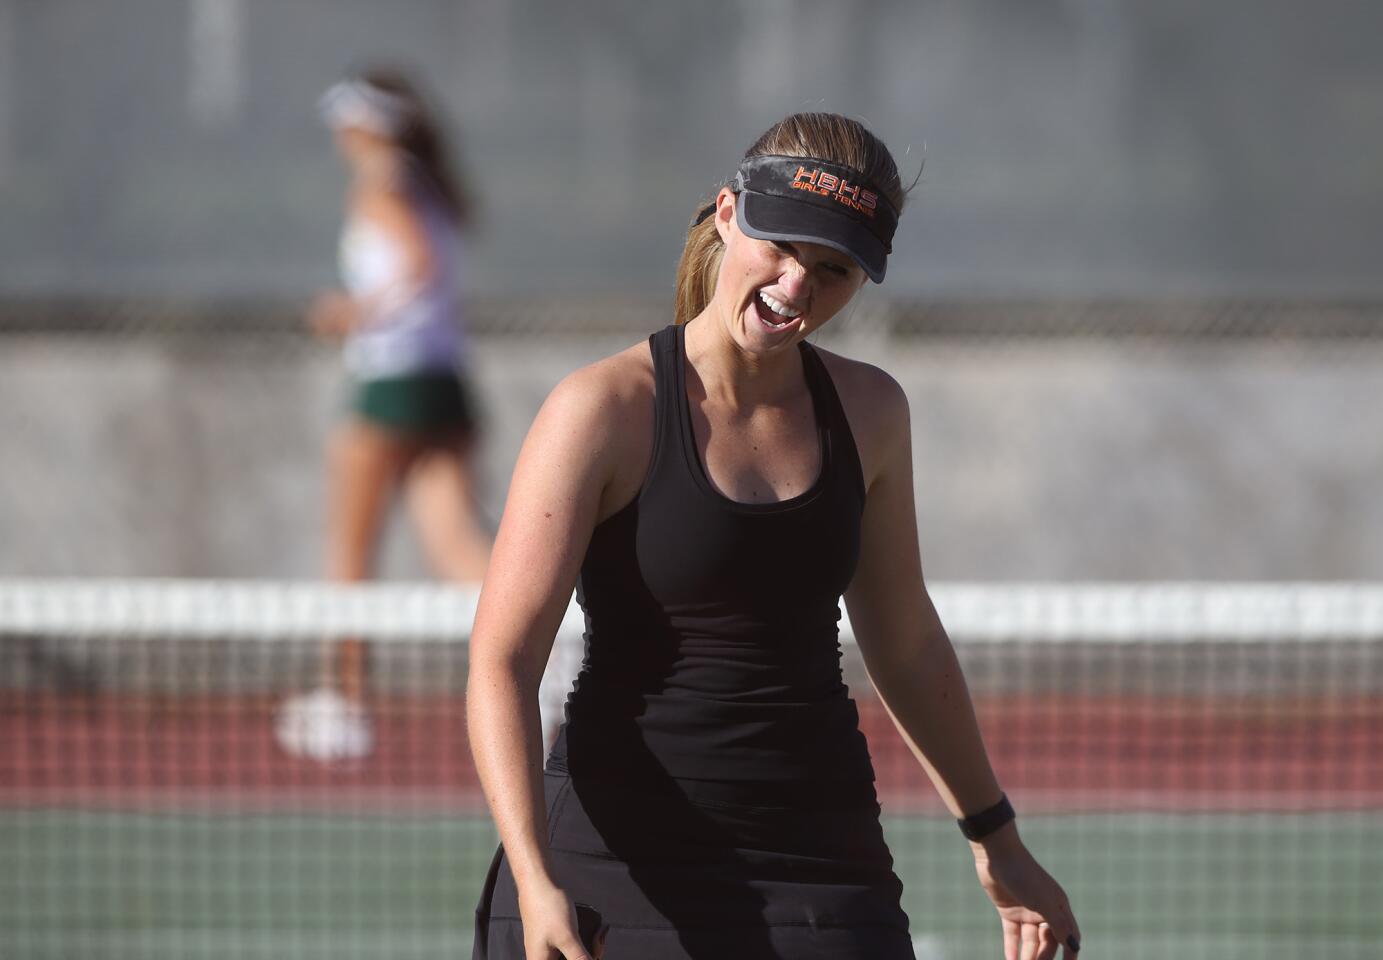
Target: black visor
{"x":816,"y":201}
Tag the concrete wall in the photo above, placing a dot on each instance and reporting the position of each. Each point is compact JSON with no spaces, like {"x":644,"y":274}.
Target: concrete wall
{"x":1045,"y":458}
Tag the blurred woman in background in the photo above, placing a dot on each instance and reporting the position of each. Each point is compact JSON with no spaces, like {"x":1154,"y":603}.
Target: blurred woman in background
{"x":412,"y":425}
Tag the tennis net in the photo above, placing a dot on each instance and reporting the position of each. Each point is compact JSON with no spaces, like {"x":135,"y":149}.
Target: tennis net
{"x":1200,"y":765}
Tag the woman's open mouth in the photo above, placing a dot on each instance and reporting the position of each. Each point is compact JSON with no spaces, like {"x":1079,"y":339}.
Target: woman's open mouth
{"x":774,"y":314}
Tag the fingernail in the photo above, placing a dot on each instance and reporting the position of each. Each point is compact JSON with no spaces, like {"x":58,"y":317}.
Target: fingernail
{"x":1073,"y":943}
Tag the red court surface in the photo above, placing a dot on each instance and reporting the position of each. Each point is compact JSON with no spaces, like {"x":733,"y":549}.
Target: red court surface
{"x":1055,"y":753}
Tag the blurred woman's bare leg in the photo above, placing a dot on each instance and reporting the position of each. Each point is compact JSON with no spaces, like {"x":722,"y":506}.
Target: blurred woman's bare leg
{"x":441,"y":496}
{"x":364,"y":467}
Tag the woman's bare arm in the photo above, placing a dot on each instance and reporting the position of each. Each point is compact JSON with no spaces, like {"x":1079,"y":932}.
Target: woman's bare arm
{"x":554,"y":497}
{"x":909,"y":657}
{"x":914,"y":667}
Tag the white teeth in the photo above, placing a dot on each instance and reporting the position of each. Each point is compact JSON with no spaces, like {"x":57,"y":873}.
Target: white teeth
{"x":778,"y":307}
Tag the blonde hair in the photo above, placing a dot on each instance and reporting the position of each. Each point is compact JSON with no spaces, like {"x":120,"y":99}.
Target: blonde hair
{"x":823,"y":136}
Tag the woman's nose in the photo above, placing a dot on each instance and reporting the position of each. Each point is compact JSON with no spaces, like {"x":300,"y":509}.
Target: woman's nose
{"x":794,"y":280}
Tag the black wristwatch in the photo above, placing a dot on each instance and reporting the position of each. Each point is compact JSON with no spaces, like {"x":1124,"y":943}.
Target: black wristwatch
{"x":980,"y":825}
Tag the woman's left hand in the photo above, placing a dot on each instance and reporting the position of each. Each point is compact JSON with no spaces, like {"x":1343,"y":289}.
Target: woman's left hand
{"x":1035,"y":913}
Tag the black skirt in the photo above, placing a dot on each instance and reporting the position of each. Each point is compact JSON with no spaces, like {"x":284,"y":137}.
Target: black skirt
{"x":716,"y":870}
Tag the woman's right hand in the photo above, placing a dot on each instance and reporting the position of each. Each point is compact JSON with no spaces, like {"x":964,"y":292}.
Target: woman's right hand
{"x":549,"y":926}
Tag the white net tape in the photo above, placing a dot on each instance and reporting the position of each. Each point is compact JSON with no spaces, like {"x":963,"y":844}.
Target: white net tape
{"x":972,"y":612}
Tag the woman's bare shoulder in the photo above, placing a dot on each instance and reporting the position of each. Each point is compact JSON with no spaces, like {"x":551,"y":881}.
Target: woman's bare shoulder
{"x":609,"y":398}
{"x":875,"y":407}
{"x":614,"y":383}
{"x":601,"y":415}
{"x":865,"y":385}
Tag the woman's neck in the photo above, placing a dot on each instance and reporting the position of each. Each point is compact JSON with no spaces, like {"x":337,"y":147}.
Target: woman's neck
{"x":377,"y":166}
{"x":732,"y":375}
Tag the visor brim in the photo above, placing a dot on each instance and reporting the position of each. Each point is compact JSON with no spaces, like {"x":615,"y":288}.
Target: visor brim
{"x":766,"y":217}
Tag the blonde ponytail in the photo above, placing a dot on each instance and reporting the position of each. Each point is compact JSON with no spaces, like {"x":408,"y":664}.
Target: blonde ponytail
{"x":698,"y":269}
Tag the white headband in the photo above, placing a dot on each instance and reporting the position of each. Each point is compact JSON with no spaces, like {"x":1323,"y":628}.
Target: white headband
{"x":355,"y":103}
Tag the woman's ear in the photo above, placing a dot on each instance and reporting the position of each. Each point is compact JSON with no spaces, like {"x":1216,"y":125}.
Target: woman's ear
{"x":725,"y":213}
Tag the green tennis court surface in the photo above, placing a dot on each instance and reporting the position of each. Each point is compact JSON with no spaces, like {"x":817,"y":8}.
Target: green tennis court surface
{"x":116,"y":885}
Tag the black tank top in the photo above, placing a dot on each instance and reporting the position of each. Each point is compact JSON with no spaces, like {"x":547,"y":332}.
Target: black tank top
{"x":711,"y":647}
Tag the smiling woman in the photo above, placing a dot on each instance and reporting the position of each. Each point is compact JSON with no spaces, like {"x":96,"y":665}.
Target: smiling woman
{"x":711,"y":495}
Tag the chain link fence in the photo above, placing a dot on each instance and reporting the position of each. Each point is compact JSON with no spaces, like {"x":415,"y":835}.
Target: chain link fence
{"x":582,"y":316}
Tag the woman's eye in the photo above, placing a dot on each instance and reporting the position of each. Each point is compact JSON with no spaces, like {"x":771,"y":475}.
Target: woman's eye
{"x":830,"y":267}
